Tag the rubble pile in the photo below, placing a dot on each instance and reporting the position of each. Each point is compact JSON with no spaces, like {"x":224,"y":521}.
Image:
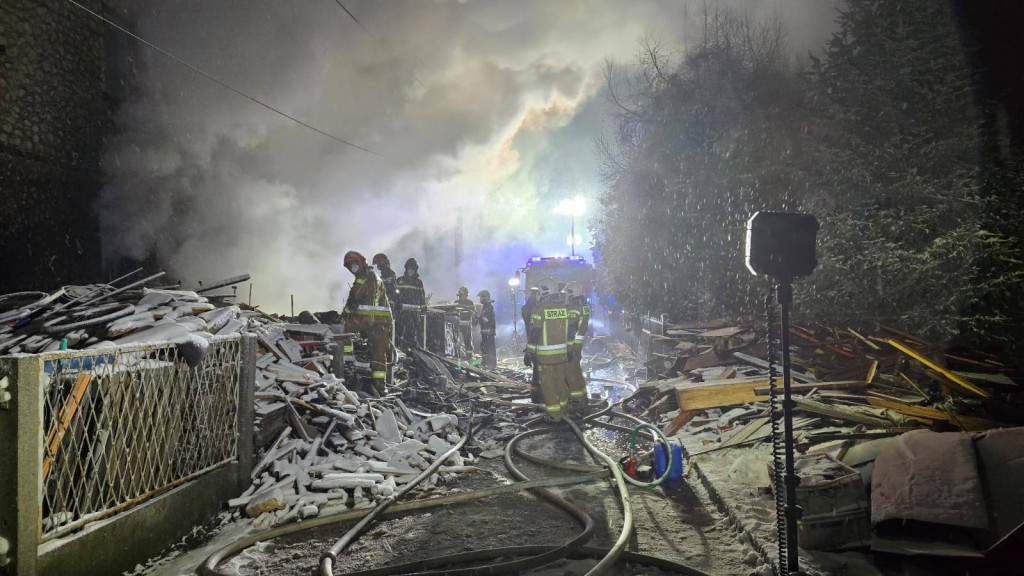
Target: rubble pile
{"x":332,"y":447}
{"x":98,"y":316}
{"x":715,"y":380}
{"x":869,"y":409}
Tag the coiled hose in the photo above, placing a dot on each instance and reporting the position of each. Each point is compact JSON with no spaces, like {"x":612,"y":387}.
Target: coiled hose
{"x":528,"y":556}
{"x":778,"y":447}
{"x":668,"y":448}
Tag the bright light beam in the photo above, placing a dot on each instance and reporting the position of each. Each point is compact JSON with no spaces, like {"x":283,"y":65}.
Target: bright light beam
{"x":574,"y":206}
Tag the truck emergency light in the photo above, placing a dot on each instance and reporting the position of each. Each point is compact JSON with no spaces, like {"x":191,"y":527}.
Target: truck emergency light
{"x":781,"y":244}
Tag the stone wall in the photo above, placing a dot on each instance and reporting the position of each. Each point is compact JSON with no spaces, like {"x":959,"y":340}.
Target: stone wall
{"x":54,"y":114}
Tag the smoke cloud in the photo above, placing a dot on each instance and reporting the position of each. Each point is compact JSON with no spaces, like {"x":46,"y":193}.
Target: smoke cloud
{"x":480,"y":112}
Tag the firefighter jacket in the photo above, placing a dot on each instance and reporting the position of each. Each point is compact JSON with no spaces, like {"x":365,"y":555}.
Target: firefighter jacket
{"x":367,"y":302}
{"x":579,"y":320}
{"x":486,"y":319}
{"x":467,"y":311}
{"x":409,"y":291}
{"x":390,"y":280}
{"x":549,"y":331}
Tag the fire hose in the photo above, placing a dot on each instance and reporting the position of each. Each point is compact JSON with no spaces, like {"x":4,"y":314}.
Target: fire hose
{"x":527,"y":557}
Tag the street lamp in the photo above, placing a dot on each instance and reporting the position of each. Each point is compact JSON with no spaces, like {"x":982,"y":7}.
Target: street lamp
{"x":513,"y":284}
{"x":574,"y":207}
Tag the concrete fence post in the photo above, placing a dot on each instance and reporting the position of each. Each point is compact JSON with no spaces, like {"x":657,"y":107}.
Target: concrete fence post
{"x":21,"y":462}
{"x":245,"y":415}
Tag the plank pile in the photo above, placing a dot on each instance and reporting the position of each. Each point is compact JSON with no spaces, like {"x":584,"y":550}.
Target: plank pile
{"x":849,"y":384}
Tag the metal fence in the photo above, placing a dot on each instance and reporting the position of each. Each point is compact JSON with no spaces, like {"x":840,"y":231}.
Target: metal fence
{"x":119,"y":426}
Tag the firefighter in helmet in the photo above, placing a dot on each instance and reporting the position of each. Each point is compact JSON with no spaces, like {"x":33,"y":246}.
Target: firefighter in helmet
{"x":409,"y":300}
{"x":575,"y":382}
{"x":528,"y":357}
{"x":387,"y":275}
{"x":368,"y":313}
{"x":487,"y":329}
{"x":467,"y":312}
{"x":547,"y":343}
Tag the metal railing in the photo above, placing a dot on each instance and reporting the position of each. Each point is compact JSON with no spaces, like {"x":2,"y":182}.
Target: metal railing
{"x":122,"y":425}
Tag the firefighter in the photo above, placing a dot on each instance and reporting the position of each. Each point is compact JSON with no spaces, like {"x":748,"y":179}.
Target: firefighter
{"x":487,"y":326}
{"x":409,"y":298}
{"x":574,"y":380}
{"x":367,"y":312}
{"x":547,"y":341}
{"x":528,"y":357}
{"x":467,"y":311}
{"x":387,"y":276}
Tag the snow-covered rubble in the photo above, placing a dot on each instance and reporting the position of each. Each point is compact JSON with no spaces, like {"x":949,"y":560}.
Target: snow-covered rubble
{"x":340,"y":449}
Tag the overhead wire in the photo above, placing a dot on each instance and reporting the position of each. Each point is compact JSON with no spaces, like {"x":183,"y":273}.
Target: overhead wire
{"x":371,"y":35}
{"x":220,"y":82}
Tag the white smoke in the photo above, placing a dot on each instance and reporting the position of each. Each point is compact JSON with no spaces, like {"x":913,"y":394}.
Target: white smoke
{"x":501,"y":128}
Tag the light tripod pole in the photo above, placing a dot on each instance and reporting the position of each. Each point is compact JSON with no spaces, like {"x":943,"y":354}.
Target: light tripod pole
{"x":784,"y":294}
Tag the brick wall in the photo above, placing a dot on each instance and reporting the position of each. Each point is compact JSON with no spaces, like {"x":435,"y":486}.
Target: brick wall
{"x":54,"y":114}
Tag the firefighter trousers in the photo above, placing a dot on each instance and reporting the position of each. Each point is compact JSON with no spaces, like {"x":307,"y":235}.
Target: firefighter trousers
{"x":466,"y":328}
{"x":379,"y":334}
{"x":576,"y":384}
{"x":551,"y":378}
{"x":379,"y":337}
{"x":488,"y":351}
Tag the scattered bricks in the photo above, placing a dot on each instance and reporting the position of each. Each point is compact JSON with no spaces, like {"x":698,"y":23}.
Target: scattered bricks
{"x":269,"y":501}
{"x":308,"y":511}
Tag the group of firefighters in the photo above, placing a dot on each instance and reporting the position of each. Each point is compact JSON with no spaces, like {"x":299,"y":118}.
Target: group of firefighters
{"x":385,"y":311}
{"x":557,"y":318}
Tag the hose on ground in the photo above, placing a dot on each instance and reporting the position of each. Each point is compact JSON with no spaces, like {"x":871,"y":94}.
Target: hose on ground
{"x":529,"y":556}
{"x":330,"y":555}
{"x":209,"y":566}
{"x":616,"y":550}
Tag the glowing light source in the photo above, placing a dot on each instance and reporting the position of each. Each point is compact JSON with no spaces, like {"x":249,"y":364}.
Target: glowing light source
{"x":513,"y":281}
{"x":574,"y":206}
{"x":569,"y":240}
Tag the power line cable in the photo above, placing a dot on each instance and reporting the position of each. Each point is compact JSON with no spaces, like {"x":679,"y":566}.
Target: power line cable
{"x":222,"y":83}
{"x":370,"y":34}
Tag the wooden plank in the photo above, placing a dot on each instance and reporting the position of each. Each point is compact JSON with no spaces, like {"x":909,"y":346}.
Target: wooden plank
{"x":67,"y":414}
{"x":747,"y":432}
{"x":705,"y":359}
{"x":805,"y":388}
{"x":679,"y":421}
{"x":997,"y":379}
{"x":960,"y":382}
{"x":718,"y":393}
{"x":869,"y":343}
{"x":839,"y":413}
{"x":914,"y":385}
{"x":968,"y":423}
{"x":798,"y":376}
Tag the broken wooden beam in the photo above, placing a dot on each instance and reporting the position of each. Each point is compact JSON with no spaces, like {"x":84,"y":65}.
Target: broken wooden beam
{"x":958,"y":381}
{"x":840,"y":413}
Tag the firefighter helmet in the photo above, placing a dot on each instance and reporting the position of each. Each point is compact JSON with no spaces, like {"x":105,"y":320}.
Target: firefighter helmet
{"x":353,"y":257}
{"x":484,"y":296}
{"x":412,"y":263}
{"x":463,"y":292}
{"x":546,"y":286}
{"x":572,"y":289}
{"x":380,"y":259}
